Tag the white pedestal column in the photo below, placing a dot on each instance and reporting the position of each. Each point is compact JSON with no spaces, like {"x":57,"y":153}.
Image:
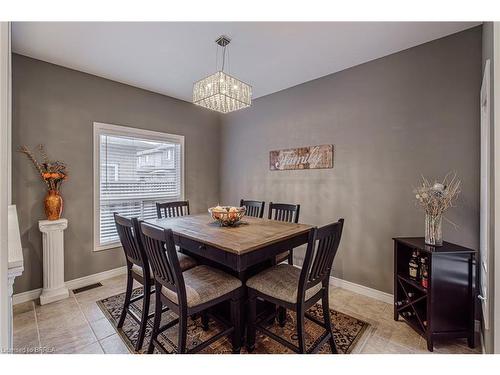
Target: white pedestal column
{"x":54,"y":288}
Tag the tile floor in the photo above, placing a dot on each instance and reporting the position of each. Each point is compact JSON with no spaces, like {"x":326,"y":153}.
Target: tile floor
{"x":77,"y":325}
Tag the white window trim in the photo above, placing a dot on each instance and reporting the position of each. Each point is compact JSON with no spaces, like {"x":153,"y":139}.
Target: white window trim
{"x":100,"y":128}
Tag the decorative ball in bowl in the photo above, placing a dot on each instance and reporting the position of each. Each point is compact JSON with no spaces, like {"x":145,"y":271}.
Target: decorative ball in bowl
{"x":227,"y":215}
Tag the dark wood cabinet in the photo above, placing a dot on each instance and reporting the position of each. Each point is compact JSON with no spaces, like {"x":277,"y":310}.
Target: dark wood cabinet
{"x":445,"y":308}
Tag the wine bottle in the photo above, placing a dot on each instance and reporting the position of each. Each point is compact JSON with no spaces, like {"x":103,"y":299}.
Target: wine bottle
{"x":402,"y":302}
{"x":413,"y":266}
{"x":424,"y":280}
{"x":408,"y":314}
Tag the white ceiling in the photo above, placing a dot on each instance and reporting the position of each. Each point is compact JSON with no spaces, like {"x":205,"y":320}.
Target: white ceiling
{"x":167,"y":57}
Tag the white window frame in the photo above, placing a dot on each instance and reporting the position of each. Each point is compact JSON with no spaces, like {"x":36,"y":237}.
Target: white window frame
{"x":111,"y":129}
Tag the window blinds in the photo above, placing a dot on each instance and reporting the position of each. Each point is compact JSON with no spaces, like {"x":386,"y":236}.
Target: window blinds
{"x":134,"y":173}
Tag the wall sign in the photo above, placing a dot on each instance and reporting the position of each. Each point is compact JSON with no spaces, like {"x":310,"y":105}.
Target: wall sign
{"x":311,"y":157}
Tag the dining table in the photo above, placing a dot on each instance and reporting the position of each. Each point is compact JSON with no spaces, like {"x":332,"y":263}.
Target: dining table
{"x":241,"y":250}
{"x":238,"y":249}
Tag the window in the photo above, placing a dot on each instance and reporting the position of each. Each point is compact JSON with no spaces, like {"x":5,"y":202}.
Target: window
{"x":111,"y":171}
{"x":133,"y":169}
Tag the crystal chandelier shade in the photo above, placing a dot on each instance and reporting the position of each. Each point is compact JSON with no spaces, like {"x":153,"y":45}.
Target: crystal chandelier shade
{"x":220,"y":91}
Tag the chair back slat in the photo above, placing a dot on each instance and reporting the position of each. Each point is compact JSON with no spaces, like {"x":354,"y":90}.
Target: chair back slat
{"x":284,"y":212}
{"x":253,"y":208}
{"x":321,"y":258}
{"x":172,"y":209}
{"x":131,"y":242}
{"x":160,"y":248}
{"x":320,"y":254}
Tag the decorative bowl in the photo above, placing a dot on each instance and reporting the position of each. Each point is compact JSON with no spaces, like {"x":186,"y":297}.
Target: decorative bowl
{"x":227,"y":215}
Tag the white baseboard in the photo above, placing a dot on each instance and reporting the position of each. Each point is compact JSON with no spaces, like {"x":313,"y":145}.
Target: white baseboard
{"x":95,"y":278}
{"x":29,"y":295}
{"x":71,"y":284}
{"x":361,"y":289}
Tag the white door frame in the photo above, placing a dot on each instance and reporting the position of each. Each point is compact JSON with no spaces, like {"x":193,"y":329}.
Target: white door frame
{"x":485,"y":201}
{"x":5,"y":148}
{"x":496,"y":142}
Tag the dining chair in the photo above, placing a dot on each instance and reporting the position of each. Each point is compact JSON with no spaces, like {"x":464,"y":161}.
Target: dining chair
{"x":187,"y":293}
{"x":138,"y":269}
{"x":253,"y":208}
{"x":172,"y":209}
{"x":289,"y":213}
{"x":284,"y":212}
{"x":298,"y":289}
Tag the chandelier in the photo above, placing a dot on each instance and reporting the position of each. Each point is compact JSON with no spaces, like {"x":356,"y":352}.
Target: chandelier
{"x":221,"y":92}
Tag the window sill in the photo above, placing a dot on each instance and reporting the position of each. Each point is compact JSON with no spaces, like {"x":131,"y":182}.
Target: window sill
{"x":110,"y":246}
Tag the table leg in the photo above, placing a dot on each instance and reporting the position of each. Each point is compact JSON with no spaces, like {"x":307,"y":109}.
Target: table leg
{"x":242,"y":275}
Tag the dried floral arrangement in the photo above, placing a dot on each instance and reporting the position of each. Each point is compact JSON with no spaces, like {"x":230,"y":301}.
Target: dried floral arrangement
{"x":52,"y":172}
{"x":435,"y":198}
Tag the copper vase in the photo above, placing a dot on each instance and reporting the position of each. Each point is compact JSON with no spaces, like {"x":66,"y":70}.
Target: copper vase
{"x":53,"y":205}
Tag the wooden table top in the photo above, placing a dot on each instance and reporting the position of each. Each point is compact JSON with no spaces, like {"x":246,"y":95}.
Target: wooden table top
{"x":252,"y":234}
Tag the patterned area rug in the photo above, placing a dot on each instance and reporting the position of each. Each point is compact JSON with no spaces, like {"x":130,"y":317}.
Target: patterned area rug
{"x":347,"y":330}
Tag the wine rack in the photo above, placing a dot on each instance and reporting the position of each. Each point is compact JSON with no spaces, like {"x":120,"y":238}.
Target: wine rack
{"x":412,"y":305}
{"x":443,"y":305}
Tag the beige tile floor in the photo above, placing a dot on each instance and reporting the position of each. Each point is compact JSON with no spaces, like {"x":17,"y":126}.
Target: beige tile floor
{"x":77,"y":325}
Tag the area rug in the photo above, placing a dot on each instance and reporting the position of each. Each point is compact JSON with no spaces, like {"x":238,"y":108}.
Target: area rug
{"x":348,"y":330}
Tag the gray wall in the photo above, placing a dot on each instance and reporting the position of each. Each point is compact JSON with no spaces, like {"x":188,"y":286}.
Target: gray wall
{"x":390,"y":120}
{"x":488,"y":48}
{"x":57,"y":107}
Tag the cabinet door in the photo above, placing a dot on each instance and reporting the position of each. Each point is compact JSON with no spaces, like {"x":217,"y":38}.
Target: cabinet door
{"x":450,"y":292}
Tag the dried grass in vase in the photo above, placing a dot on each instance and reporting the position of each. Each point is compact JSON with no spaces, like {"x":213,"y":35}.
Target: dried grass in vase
{"x":435,"y":198}
{"x":53,"y":173}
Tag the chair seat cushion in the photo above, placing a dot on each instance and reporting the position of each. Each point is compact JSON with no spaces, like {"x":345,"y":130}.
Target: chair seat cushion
{"x":281,"y":282}
{"x":203,"y":284}
{"x":186,"y":262}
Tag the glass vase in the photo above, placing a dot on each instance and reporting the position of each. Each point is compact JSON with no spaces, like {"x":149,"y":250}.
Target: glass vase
{"x":433,"y":230}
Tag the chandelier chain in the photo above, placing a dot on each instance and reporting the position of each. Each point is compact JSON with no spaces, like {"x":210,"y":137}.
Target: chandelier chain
{"x":223,"y":57}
